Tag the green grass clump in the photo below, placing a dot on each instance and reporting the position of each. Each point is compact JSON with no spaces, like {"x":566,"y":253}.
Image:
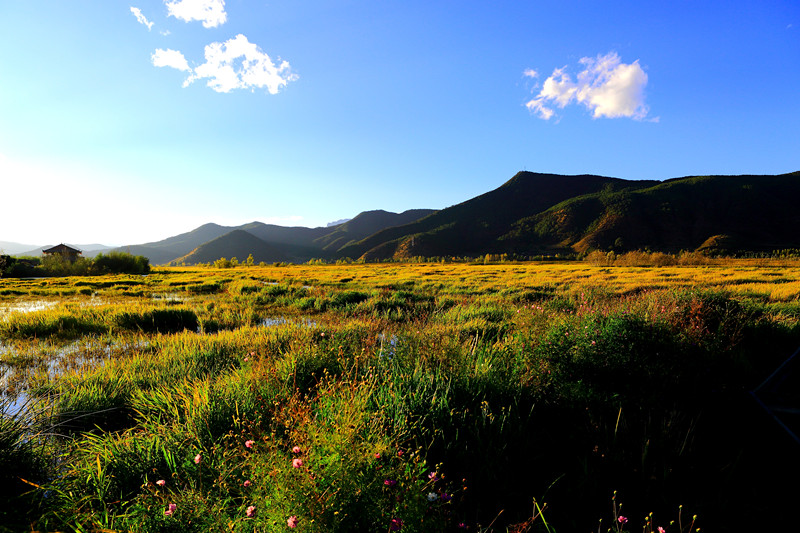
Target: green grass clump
{"x":67,"y":323}
{"x":23,"y":463}
{"x":157,"y":320}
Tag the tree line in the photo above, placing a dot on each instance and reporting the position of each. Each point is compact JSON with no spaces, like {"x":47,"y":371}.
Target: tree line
{"x":58,"y":265}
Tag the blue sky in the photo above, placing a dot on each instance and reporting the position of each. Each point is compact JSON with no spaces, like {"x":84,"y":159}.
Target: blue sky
{"x":123,"y":123}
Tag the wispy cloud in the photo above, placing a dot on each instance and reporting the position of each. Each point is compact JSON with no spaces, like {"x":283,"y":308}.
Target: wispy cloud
{"x":141,"y":18}
{"x":170,"y":58}
{"x":239,"y":64}
{"x":210,"y":12}
{"x":606,"y":86}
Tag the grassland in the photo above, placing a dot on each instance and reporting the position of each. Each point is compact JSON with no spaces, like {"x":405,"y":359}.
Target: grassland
{"x":410,"y":397}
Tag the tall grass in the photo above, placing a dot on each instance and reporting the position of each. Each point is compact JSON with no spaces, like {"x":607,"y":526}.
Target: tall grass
{"x":24,"y":464}
{"x":418,"y":397}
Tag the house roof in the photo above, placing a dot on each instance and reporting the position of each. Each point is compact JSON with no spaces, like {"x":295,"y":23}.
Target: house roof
{"x":61,"y":249}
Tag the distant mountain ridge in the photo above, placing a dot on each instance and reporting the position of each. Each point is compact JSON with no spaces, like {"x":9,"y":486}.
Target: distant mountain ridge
{"x":530,"y":214}
{"x":270,"y":242}
{"x":88,"y":250}
{"x":473,"y":227}
{"x":13,"y":248}
{"x":546,"y":213}
{"x":231,"y":245}
{"x":721,"y":213}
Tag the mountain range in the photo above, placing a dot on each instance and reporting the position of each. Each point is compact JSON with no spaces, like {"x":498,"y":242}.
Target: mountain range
{"x":31,"y":250}
{"x":268,"y":242}
{"x":530,"y":214}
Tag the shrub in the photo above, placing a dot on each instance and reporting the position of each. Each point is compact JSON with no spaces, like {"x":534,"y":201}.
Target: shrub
{"x":120,"y":263}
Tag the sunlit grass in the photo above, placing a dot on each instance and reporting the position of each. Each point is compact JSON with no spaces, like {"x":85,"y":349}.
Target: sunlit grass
{"x":508,"y":381}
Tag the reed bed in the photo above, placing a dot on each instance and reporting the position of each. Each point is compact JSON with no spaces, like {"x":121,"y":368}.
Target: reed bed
{"x":397,"y":397}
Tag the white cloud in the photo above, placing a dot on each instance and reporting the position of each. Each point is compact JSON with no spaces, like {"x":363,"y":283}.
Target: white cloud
{"x":606,"y":86}
{"x":170,"y":58}
{"x":141,"y":18}
{"x":239,"y":64}
{"x":210,"y":12}
{"x":530,"y":73}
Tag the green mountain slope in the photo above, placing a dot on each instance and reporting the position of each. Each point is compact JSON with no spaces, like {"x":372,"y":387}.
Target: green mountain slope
{"x":164,"y":251}
{"x":732,"y":213}
{"x":297,"y":244}
{"x":366,"y":224}
{"x":531,"y":214}
{"x":237,"y":243}
{"x":475,"y":226}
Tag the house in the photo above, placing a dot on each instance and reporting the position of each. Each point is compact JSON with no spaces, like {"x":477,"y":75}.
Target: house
{"x":68,"y":252}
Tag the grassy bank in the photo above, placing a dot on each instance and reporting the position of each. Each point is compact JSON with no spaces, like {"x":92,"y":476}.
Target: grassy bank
{"x":427,"y":397}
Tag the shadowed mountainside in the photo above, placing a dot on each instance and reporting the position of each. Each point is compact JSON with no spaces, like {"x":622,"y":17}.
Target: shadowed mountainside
{"x":296,"y":244}
{"x":164,"y":251}
{"x":545,"y":213}
{"x":719,"y":213}
{"x":535,"y":214}
{"x":232,"y":244}
{"x":366,"y":224}
{"x":474,"y":227}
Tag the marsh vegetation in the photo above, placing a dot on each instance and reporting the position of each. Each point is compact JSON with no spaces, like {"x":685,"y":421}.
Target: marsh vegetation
{"x":396,"y":397}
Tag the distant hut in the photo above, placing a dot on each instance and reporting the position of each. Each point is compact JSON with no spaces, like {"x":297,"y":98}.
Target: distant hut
{"x":67,"y":252}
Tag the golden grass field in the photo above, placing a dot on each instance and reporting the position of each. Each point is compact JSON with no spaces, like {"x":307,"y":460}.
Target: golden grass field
{"x":424,"y":396}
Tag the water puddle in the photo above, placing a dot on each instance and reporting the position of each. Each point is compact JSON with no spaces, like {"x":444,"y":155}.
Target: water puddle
{"x":32,"y":306}
{"x":280,"y":321}
{"x":168,"y":297}
{"x":44,"y":361}
{"x":28,"y":306}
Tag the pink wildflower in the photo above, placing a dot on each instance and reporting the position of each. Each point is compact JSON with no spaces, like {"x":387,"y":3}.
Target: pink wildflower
{"x":297,"y":463}
{"x":622,"y":520}
{"x":433,"y":477}
{"x":296,"y":449}
{"x":161,"y":482}
{"x":197,"y":459}
{"x":389,"y":482}
{"x":661,"y":530}
{"x":396,"y":524}
{"x":292,"y":522}
{"x":377,"y":456}
{"x":170,"y":509}
{"x":246,"y":483}
{"x":249,"y":443}
{"x":251,"y":511}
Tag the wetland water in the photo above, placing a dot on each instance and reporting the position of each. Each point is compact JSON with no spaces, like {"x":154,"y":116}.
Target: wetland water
{"x":26,"y":306}
{"x":40,"y":361}
{"x":26,"y":362}
{"x":41,"y":304}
